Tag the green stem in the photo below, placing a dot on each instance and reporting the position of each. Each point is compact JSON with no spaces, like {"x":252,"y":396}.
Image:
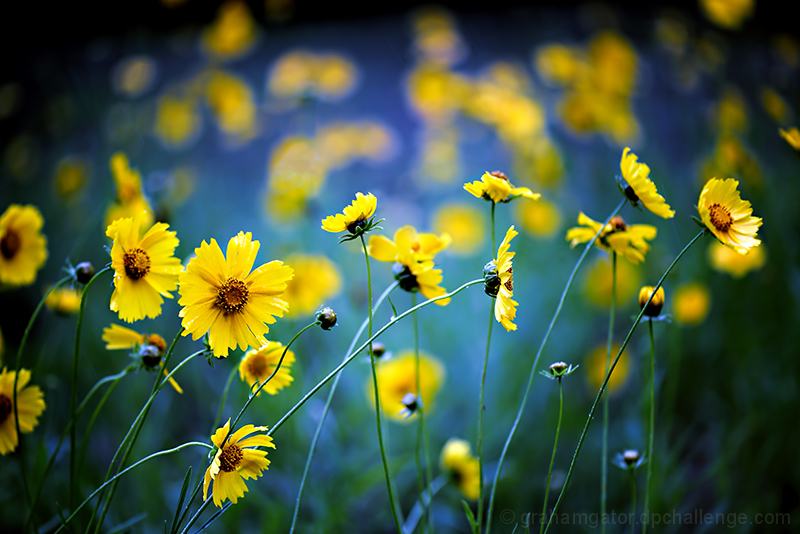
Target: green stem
{"x":493,"y":241}
{"x":423,"y":504}
{"x":553,"y":457}
{"x":536,"y":362}
{"x":633,"y":498}
{"x":604,"y":453}
{"x":652,"y":427}
{"x":611,"y":370}
{"x":418,"y":443}
{"x":481,"y":408}
{"x":224,"y":398}
{"x":386,"y":473}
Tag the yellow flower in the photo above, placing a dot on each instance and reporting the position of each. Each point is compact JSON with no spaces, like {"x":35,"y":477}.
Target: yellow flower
{"x":316,"y":279}
{"x":30,"y":407}
{"x":463,"y":467}
{"x":640,"y":187}
{"x":235,"y":462}
{"x":233,"y":33}
{"x":23,"y":248}
{"x":64,"y":301}
{"x":496,"y":187}
{"x":259,"y":364}
{"x":222,"y":297}
{"x":729,"y":14}
{"x":149,"y":349}
{"x":130,"y":196}
{"x":145,"y":269}
{"x":596,"y":366}
{"x":728,"y":217}
{"x":354,"y":217}
{"x":408,"y":246}
{"x":541,"y":219}
{"x":724,"y":259}
{"x":398,"y":376}
{"x":464,"y":223}
{"x":178,"y":121}
{"x":422,"y":277}
{"x":71,"y":176}
{"x":502,"y":284}
{"x":792,"y":136}
{"x":691,"y":303}
{"x":233,"y":104}
{"x":657,"y":302}
{"x":598,"y":282}
{"x":626,"y":240}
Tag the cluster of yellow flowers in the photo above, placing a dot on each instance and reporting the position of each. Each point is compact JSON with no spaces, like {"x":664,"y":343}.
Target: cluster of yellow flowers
{"x":301,"y":73}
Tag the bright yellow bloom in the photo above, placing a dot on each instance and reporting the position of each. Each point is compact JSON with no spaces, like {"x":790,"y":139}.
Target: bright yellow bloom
{"x":397,"y":377}
{"x":259,"y":364}
{"x":626,"y":240}
{"x":654,"y":308}
{"x":496,"y":187}
{"x":23,"y":248}
{"x":235,"y":462}
{"x":464,"y":223}
{"x":640,"y":187}
{"x":408,"y":246}
{"x":728,"y":217}
{"x":729,"y":14}
{"x":30,"y":407}
{"x":145,"y":269}
{"x":596,"y":367}
{"x":64,"y":300}
{"x":316,"y":279}
{"x":598,"y":282}
{"x":505,"y":307}
{"x":353,"y":217}
{"x":726,"y":260}
{"x":691,"y":303}
{"x":222,"y":297}
{"x":463,"y":467}
{"x":422,"y":277}
{"x":792,"y":136}
{"x":121,"y":338}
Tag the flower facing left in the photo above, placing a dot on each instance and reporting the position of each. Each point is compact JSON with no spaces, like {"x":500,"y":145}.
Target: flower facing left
{"x":23,"y":248}
{"x":145,"y":268}
{"x":235,"y":461}
{"x":499,"y":283}
{"x":30,"y":405}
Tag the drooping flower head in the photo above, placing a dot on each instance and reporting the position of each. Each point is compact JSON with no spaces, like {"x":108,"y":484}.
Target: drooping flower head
{"x":408,"y":246}
{"x":638,"y":186}
{"x":727,"y":216}
{"x":30,"y":405}
{"x":235,"y":461}
{"x":147,"y":349}
{"x":499,"y":283}
{"x":464,"y":469}
{"x":23,"y":248}
{"x":628,"y":240}
{"x":496,"y":187}
{"x":397,"y":378}
{"x":145,"y":268}
{"x":223,"y":297}
{"x":355,"y":218}
{"x":259,"y":364}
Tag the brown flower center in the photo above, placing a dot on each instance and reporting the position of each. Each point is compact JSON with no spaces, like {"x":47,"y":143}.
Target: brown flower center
{"x":5,"y":408}
{"x":258,"y":366}
{"x":415,"y":246}
{"x":499,"y":174}
{"x":510,"y":282}
{"x":232,"y":296}
{"x":720,"y":217}
{"x":617,"y":224}
{"x":10,"y":244}
{"x":137,"y":263}
{"x":230,"y":458}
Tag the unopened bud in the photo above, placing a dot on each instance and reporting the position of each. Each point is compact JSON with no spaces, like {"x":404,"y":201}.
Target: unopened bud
{"x":327,"y":318}
{"x":654,"y":308}
{"x":84,"y":272}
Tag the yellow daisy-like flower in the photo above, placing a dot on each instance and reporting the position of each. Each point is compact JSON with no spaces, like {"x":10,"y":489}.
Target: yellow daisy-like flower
{"x":397,"y":378}
{"x":222,"y":297}
{"x":30,"y":406}
{"x":640,"y":188}
{"x":499,"y":275}
{"x":792,"y":136}
{"x":463,"y":467}
{"x":354,"y":217}
{"x":726,"y":260}
{"x":422,"y":277}
{"x":408,"y":246}
{"x":316,"y":279}
{"x":624,"y":239}
{"x":236,"y":460}
{"x":149,"y":348}
{"x":691,"y":303}
{"x":728,"y":217}
{"x":145,"y":269}
{"x":64,"y":300}
{"x":23,"y":248}
{"x":496,"y":187}
{"x":259,"y":364}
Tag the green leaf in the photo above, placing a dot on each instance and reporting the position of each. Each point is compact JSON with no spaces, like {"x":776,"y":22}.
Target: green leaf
{"x":181,"y":498}
{"x":470,"y":516}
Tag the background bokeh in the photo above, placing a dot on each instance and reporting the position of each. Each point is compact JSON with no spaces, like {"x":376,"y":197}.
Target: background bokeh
{"x":267,"y":117}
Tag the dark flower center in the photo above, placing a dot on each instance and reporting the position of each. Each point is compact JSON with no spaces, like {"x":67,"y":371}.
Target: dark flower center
{"x":258,"y":366}
{"x":510,"y":282}
{"x":5,"y":408}
{"x":137,"y":263}
{"x":232,"y":296}
{"x":617,"y":224}
{"x":10,"y":244}
{"x":499,"y":174}
{"x":357,"y":225}
{"x":720,"y":217}
{"x":230,"y":458}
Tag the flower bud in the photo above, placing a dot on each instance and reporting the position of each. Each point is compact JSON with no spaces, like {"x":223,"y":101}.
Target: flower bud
{"x":410,"y":404}
{"x":491,"y":279}
{"x":327,"y":318}
{"x":654,"y":308}
{"x":84,"y":272}
{"x":630,"y":456}
{"x":408,"y":282}
{"x":150,"y":355}
{"x":378,"y":349}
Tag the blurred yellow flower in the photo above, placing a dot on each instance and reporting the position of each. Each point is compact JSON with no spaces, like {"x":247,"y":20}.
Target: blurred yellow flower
{"x":329,"y":76}
{"x":23,"y":248}
{"x":178,"y":121}
{"x":730,"y":113}
{"x":727,"y":260}
{"x":626,"y":240}
{"x":464,"y":468}
{"x":727,"y":216}
{"x":296,"y":174}
{"x":64,"y":300}
{"x":150,"y":348}
{"x":540,"y":219}
{"x":233,"y":33}
{"x":465,"y":224}
{"x":131,"y":201}
{"x":236,"y":460}
{"x":259,"y":363}
{"x":691,"y":302}
{"x":233,"y":105}
{"x":134,"y":75}
{"x":728,"y":14}
{"x":435,"y":94}
{"x":559,"y":64}
{"x":596,"y":368}
{"x":792,"y":136}
{"x":436,"y":39}
{"x":30,"y":405}
{"x":496,"y":187}
{"x":640,"y":188}
{"x":354,"y":216}
{"x":408,"y":247}
{"x":598,"y":282}
{"x":398,"y":377}
{"x":71,"y":176}
{"x":775,"y":106}
{"x":316,"y":279}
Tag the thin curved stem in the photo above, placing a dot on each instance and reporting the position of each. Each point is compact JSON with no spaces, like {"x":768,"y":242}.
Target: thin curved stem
{"x":422,"y":504}
{"x":536,"y":362}
{"x":652,"y":426}
{"x":421,"y":420}
{"x":222,"y":400}
{"x":553,"y":457}
{"x":611,"y":370}
{"x":633,"y":498}
{"x":480,"y":417}
{"x":604,"y":450}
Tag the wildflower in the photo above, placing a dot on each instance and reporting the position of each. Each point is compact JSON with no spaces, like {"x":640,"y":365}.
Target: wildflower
{"x":316,"y":279}
{"x":596,"y":369}
{"x":422,"y":277}
{"x":656,"y":303}
{"x":84,"y":272}
{"x":496,"y":187}
{"x":233,"y":33}
{"x":728,"y":14}
{"x":30,"y":407}
{"x":638,"y":187}
{"x":130,"y":195}
{"x":23,"y":248}
{"x":147,"y":349}
{"x":355,"y":218}
{"x":259,"y":364}
{"x":792,"y":136}
{"x":233,"y":104}
{"x":398,"y":377}
{"x":499,"y":283}
{"x":691,"y":303}
{"x":327,"y":318}
{"x":222,"y":297}
{"x":464,"y":469}
{"x":727,"y":216}
{"x":64,"y":300}
{"x":235,"y":461}
{"x":558,"y":370}
{"x":617,"y":236}
{"x":726,"y":260}
{"x":178,"y":121}
{"x":464,"y":223}
{"x":540,"y":219}
{"x":145,"y":269}
{"x":628,"y":459}
{"x":408,"y":246}
{"x":599,"y":284}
